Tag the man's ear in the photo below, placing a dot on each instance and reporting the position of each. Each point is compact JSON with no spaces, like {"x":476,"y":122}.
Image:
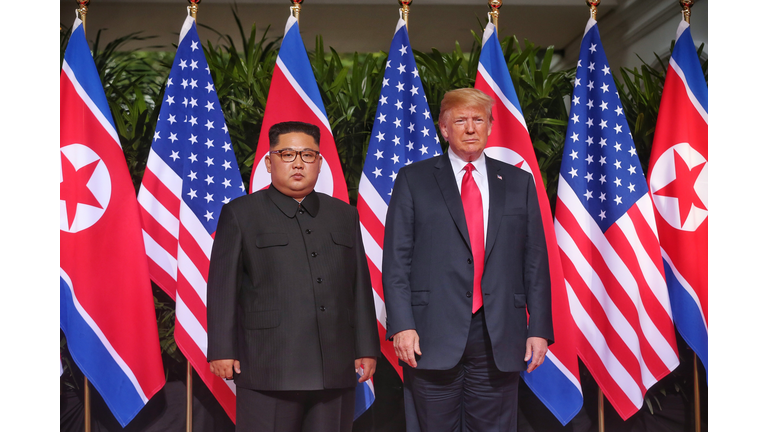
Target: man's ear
{"x":443,"y":130}
{"x":268,"y":163}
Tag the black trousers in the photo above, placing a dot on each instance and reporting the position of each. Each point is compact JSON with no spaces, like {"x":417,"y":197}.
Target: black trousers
{"x":473,"y":396}
{"x":295,"y":411}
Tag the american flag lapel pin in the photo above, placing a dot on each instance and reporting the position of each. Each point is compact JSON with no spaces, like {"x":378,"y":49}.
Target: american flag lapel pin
{"x":498,"y":176}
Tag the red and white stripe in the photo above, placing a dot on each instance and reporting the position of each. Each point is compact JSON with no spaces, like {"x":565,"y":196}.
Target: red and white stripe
{"x":618,"y":298}
{"x":179,"y":250}
{"x":373,"y":214}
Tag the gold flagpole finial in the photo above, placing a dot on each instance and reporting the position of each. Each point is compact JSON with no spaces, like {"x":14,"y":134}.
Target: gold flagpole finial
{"x":687,"y":5}
{"x":406,"y":10}
{"x":82,"y":10}
{"x":296,"y":8}
{"x":593,"y":4}
{"x":495,"y":5}
{"x":193,"y":7}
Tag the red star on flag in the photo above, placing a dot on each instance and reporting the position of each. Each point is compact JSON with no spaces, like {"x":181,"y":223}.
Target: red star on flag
{"x":74,"y":188}
{"x":682,"y":188}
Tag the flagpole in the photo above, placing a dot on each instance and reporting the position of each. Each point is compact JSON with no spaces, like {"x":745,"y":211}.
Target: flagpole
{"x":192,"y":8}
{"x":593,"y":4}
{"x":696,"y":394}
{"x":87,"y":403}
{"x":406,"y":10}
{"x":600,"y":410}
{"x":296,"y":8}
{"x":495,"y":5}
{"x":687,"y":5}
{"x":83,"y":10}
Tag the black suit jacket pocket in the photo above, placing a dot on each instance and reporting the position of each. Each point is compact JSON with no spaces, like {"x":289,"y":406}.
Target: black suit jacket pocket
{"x":261,"y":319}
{"x":520,"y":300}
{"x":515,"y":211}
{"x":419,"y":298}
{"x":266,"y":240}
{"x":343,"y":239}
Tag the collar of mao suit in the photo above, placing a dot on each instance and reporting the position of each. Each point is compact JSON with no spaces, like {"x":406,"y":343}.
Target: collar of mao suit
{"x":289,"y":206}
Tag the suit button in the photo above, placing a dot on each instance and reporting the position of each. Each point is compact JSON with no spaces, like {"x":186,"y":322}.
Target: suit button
{"x":469,"y":294}
{"x":319,"y":280}
{"x":469,"y":260}
{"x":301,"y":211}
{"x":322,"y":308}
{"x":309,"y":231}
{"x":313,"y":254}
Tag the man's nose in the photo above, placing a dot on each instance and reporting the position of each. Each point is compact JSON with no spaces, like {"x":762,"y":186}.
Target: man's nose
{"x":298,"y":163}
{"x":470,"y":128}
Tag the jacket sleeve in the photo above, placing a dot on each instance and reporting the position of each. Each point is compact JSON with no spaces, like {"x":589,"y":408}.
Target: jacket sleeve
{"x":537,"y":283}
{"x":223,"y":282}
{"x":397,"y":258}
{"x":366,"y":327}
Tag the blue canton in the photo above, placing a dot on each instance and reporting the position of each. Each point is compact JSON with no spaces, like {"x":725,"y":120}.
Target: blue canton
{"x":403,"y":131}
{"x":192,"y":137}
{"x":600,"y":161}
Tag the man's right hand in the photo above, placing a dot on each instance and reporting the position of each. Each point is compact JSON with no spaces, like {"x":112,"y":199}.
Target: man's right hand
{"x":223,"y":368}
{"x":407,"y":346}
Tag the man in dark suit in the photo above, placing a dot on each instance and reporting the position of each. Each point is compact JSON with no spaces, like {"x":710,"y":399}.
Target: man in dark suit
{"x":290,"y":306}
{"x":464,"y":258}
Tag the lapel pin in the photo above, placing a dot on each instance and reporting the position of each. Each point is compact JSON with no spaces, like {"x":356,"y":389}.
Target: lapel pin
{"x":498,"y":176}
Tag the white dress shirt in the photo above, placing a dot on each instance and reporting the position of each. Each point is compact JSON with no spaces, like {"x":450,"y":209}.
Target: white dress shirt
{"x":480,"y":175}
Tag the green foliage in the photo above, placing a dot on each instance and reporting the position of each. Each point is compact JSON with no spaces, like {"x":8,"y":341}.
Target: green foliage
{"x":640,"y":95}
{"x":242,"y":82}
{"x":350,"y":89}
{"x":544,"y":99}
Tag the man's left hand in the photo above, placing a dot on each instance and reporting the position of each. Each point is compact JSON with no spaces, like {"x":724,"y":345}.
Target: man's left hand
{"x":535,"y":349}
{"x":369,"y":367}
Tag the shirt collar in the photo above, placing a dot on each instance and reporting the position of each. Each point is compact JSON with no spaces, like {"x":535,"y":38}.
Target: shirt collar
{"x":289,"y":206}
{"x":457,"y":164}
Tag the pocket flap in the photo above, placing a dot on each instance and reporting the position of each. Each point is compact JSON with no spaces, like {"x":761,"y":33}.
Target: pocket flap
{"x":271,"y":239}
{"x":520,"y":300}
{"x":419,"y":298}
{"x":261,"y":319}
{"x":515,"y":211}
{"x":343,"y":239}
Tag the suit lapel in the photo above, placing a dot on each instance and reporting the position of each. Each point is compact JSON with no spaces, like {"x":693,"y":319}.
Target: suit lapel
{"x":447,"y":182}
{"x":497,"y":195}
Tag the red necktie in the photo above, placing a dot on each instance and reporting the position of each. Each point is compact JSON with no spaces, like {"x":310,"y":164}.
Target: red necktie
{"x":473,"y":211}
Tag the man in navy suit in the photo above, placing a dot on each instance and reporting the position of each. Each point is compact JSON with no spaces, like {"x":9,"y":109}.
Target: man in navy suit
{"x":464,"y":258}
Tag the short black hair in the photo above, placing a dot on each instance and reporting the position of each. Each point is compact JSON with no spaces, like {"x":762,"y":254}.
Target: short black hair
{"x":283,"y":128}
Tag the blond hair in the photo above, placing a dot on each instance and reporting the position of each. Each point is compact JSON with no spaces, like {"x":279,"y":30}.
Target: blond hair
{"x":465,"y":97}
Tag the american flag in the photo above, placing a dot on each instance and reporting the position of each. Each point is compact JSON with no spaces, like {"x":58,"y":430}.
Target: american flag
{"x":191,"y":173}
{"x":556,"y":381}
{"x":403,"y":133}
{"x":677,"y":176}
{"x":608,"y":241}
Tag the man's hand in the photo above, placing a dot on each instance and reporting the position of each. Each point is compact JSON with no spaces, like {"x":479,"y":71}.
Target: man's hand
{"x":369,"y":367}
{"x":407,"y":346}
{"x":536,"y":348}
{"x":223,"y":368}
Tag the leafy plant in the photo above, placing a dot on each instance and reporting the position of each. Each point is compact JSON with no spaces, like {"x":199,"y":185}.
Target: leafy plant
{"x":640,"y":94}
{"x":350,"y":89}
{"x":242,"y":82}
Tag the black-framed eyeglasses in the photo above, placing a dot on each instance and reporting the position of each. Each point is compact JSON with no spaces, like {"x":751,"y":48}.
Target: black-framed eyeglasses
{"x":289,"y":155}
